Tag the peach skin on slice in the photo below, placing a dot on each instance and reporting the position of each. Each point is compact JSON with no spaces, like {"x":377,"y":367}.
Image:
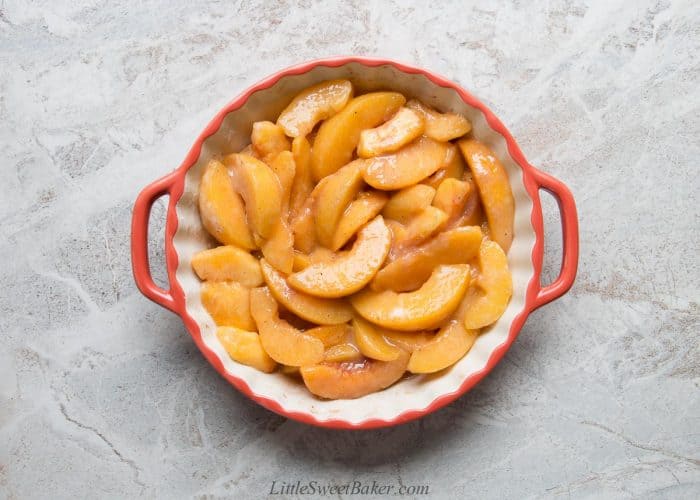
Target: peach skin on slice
{"x":351,"y":270}
{"x":401,"y":129}
{"x":245,"y":347}
{"x":338,"y":136}
{"x":410,"y":271}
{"x":365,"y":208}
{"x":495,"y":284}
{"x":452,"y":168}
{"x":492,"y":182}
{"x":333,"y":197}
{"x":303,"y":182}
{"x":409,"y":165}
{"x":422,"y":309}
{"x":352,"y":380}
{"x":228,"y":303}
{"x":371,"y":342}
{"x":221,"y":208}
{"x":441,"y":126}
{"x":284,"y":343}
{"x":316,"y":103}
{"x":227,"y":263}
{"x":268,"y":140}
{"x":313,"y":309}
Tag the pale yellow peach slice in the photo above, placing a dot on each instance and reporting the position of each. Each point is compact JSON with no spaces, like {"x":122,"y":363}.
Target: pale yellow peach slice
{"x":421,"y":227}
{"x":496,"y":195}
{"x":338,"y":136}
{"x":409,"y":165}
{"x":330,"y":335}
{"x":268,"y":140}
{"x":303,"y":181}
{"x":244,"y":347}
{"x":351,"y":270}
{"x":422,"y":309}
{"x":310,"y":308}
{"x":228,"y":303}
{"x":371,"y":342}
{"x":451,"y":197}
{"x":303,"y":228}
{"x":450,"y":345}
{"x":333,"y":197}
{"x":227,"y":263}
{"x":452,"y":168}
{"x":342,"y":353}
{"x":284,"y":343}
{"x":363,"y":209}
{"x":441,"y":126}
{"x":284,"y":166}
{"x":318,"y":254}
{"x":406,"y":203}
{"x":221,"y":208}
{"x":495,"y":287}
{"x":401,"y":129}
{"x":278,"y":249}
{"x":316,"y":103}
{"x":408,"y":341}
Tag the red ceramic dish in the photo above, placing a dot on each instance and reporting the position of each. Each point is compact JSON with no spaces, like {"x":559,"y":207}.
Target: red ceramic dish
{"x":408,"y":399}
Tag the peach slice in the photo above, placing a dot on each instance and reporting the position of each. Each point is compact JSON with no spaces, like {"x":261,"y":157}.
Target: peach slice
{"x":316,"y":103}
{"x":409,"y":272}
{"x":284,"y":343}
{"x":248,"y":150}
{"x":333,"y":197}
{"x":409,"y":165}
{"x":365,"y":208}
{"x":268,"y":139}
{"x":314,"y":309}
{"x":495,"y":284}
{"x":352,"y":380}
{"x":342,"y":353}
{"x":338,"y":136}
{"x":245,"y":347}
{"x":351,"y":270}
{"x":496,"y":196}
{"x":318,"y":254}
{"x":260,"y":189}
{"x":401,"y":129}
{"x":451,"y":197}
{"x":420,"y":227}
{"x":221,"y":208}
{"x":372,"y":343}
{"x":303,"y":228}
{"x":284,"y":167}
{"x":403,"y":205}
{"x":441,"y":126}
{"x":408,"y":341}
{"x":422,"y":309}
{"x":227,"y":263}
{"x":278,"y":249}
{"x":330,"y":335}
{"x":452,"y":168}
{"x":303,"y":181}
{"x":228,"y":303}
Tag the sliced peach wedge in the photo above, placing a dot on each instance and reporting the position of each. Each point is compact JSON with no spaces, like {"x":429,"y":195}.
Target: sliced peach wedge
{"x":303,"y":182}
{"x":228,"y":303}
{"x":245,"y":347}
{"x":363,"y":209}
{"x":308,"y":307}
{"x":451,"y":197}
{"x":401,"y":129}
{"x":268,"y":140}
{"x":284,"y":166}
{"x":333,"y":197}
{"x":408,"y":202}
{"x":351,"y":270}
{"x":278,"y":249}
{"x":441,"y":126}
{"x":227,"y":263}
{"x":284,"y":343}
{"x":452,"y":167}
{"x":371,"y":342}
{"x":341,"y":353}
{"x":421,"y":309}
{"x":316,"y":103}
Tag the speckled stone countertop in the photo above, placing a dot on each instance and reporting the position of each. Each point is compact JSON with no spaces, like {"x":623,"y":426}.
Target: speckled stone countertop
{"x":103,"y":393}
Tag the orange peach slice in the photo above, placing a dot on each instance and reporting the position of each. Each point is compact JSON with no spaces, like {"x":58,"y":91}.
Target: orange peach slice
{"x":319,"y":254}
{"x":284,"y":167}
{"x":452,"y":168}
{"x":227,"y":263}
{"x":303,"y":181}
{"x":314,"y":309}
{"x":422,"y":309}
{"x":441,"y":126}
{"x":268,"y":139}
{"x":451,"y":197}
{"x":303,"y":228}
{"x":221,"y":208}
{"x":351,"y":270}
{"x":409,"y":165}
{"x":495,"y":284}
{"x":342,"y":353}
{"x":316,"y":103}
{"x":496,"y":196}
{"x":228,"y":303}
{"x":278,"y":249}
{"x":421,"y":227}
{"x":403,"y":205}
{"x":365,"y":208}
{"x":372,"y":343}
{"x":245,"y":347}
{"x":338,"y":136}
{"x":352,"y":380}
{"x":330,"y":335}
{"x":333,"y":197}
{"x":408,"y":341}
{"x":401,"y":129}
{"x":284,"y":343}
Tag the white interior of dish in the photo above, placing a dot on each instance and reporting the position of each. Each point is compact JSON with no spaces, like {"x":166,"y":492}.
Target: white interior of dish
{"x":414,"y":393}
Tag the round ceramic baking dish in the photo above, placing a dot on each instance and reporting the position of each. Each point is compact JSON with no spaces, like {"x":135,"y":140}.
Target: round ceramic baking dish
{"x":412,"y":397}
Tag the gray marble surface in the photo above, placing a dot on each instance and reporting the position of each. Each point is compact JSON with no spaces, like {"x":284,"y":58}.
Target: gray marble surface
{"x":103,"y":394}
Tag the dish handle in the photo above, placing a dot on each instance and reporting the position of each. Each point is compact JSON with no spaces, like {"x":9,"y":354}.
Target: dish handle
{"x":569,"y":226}
{"x":139,"y":242}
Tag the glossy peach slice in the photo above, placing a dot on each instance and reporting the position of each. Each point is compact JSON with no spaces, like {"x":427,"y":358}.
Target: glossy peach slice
{"x":268,"y":140}
{"x":342,"y":353}
{"x":316,"y":103}
{"x":365,"y":208}
{"x":333,"y":197}
{"x":284,"y":166}
{"x":421,"y":227}
{"x":303,"y":181}
{"x":319,"y":254}
{"x":310,"y":308}
{"x":244,"y":347}
{"x":406,"y":203}
{"x":441,"y":126}
{"x":401,"y":129}
{"x":409,"y":165}
{"x":228,"y":303}
{"x":227,"y":263}
{"x":351,"y":270}
{"x":278,"y":249}
{"x":338,"y":136}
{"x":221,"y":208}
{"x":408,"y":341}
{"x":371,"y":342}
{"x":422,"y":309}
{"x":330,"y":335}
{"x":495,"y":284}
{"x":303,"y":229}
{"x":496,"y":195}
{"x":352,"y":380}
{"x":451,"y":197}
{"x":450,"y":345}
{"x":452,"y":168}
{"x":284,"y":343}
